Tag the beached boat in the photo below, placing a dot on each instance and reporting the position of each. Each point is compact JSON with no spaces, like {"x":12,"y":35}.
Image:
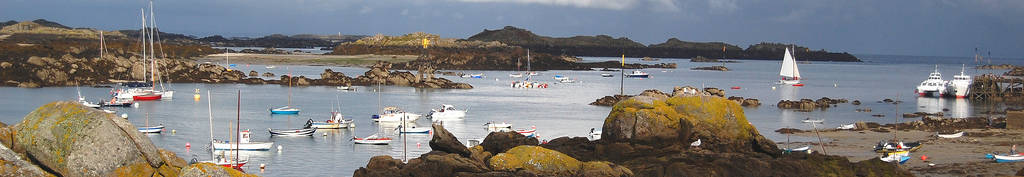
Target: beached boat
{"x":790,"y":72}
{"x":806,"y":149}
{"x":960,"y":87}
{"x":955,"y":135}
{"x":446,"y":112}
{"x":372,"y":140}
{"x":809,"y":120}
{"x":638,"y":74}
{"x":899,"y":157}
{"x":933,"y":86}
{"x":306,"y":130}
{"x":1008,"y":158}
{"x":884,"y":146}
{"x":151,"y":129}
{"x":412,"y":129}
{"x":849,"y":126}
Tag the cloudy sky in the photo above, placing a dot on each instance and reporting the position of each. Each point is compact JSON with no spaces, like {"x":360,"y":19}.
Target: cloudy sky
{"x":903,"y":27}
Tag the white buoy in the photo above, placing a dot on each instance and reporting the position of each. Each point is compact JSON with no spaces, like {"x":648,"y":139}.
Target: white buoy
{"x":773,"y":87}
{"x":263,"y":167}
{"x":325,"y":134}
{"x":279,"y":148}
{"x":136,"y":105}
{"x":124,"y":115}
{"x":173,"y":131}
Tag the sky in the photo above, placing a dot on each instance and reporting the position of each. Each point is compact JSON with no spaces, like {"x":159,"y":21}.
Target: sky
{"x":901,"y":27}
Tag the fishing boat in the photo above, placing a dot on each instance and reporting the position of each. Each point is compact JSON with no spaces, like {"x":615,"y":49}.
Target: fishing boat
{"x":372,"y":140}
{"x":393,"y":114}
{"x":306,"y":130}
{"x":607,"y":75}
{"x":337,"y":121}
{"x":955,"y":135}
{"x":809,"y":120}
{"x":532,"y":132}
{"x":790,"y":72}
{"x":118,"y":102}
{"x":288,"y":109}
{"x":494,"y":127}
{"x":242,"y":142}
{"x":884,"y":146}
{"x":638,"y":74}
{"x":933,"y":86}
{"x":412,"y":129}
{"x":446,"y":112}
{"x":961,"y":84}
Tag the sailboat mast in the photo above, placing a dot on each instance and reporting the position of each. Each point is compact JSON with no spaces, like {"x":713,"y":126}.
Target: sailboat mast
{"x":238,"y":124}
{"x":378,"y":98}
{"x":142,"y":38}
{"x":290,"y":87}
{"x":209,"y":107}
{"x":103,"y":47}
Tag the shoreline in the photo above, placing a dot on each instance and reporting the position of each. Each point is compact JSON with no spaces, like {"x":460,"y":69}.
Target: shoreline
{"x":364,"y":60}
{"x":952,"y":157}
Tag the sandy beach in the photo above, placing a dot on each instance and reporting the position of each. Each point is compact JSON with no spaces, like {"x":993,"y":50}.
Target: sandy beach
{"x":963,"y":156}
{"x":305,"y":59}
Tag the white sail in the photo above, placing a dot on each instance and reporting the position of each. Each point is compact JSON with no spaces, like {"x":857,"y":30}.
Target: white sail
{"x":789,"y":66}
{"x":796,"y":70}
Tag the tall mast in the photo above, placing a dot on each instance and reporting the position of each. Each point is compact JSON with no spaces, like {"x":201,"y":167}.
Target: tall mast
{"x":378,"y":98}
{"x":290,"y":87}
{"x":152,"y":54}
{"x":102,"y":45}
{"x":238,"y":124}
{"x":142,"y":37}
{"x":209,"y":107}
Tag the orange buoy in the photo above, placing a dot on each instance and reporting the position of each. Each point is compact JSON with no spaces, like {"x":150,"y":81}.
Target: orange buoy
{"x":736,"y":87}
{"x":924,"y":157}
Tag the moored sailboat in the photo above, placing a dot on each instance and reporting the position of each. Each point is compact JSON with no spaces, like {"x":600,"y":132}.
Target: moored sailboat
{"x":790,"y":72}
{"x":242,"y":142}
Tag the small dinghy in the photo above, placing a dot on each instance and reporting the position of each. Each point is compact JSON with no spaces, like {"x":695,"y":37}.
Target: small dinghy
{"x":412,"y":129}
{"x":799,"y":149}
{"x":809,"y":120}
{"x":532,"y":132}
{"x":1008,"y":158}
{"x":152,"y":129}
{"x":285,"y":110}
{"x":606,"y":75}
{"x":372,"y":140}
{"x":515,"y":75}
{"x":955,"y":135}
{"x":306,"y":130}
{"x":337,"y":121}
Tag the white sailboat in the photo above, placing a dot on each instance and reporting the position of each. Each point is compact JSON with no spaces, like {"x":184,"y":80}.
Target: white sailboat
{"x":220,"y":159}
{"x":287,"y":109}
{"x":790,"y":72}
{"x":242,"y":142}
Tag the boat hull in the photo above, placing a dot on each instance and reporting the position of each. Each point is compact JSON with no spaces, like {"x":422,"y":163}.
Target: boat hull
{"x":155,"y":129}
{"x":251,"y":146}
{"x":292,"y":132}
{"x":325,"y":125}
{"x":147,"y":97}
{"x":435,"y":115}
{"x":372,"y":141}
{"x":284,"y":110}
{"x":1008,"y":158}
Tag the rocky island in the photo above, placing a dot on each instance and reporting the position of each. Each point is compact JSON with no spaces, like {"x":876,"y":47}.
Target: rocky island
{"x":646,"y":135}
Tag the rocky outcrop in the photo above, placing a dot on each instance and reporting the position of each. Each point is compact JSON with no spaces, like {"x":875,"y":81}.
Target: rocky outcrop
{"x":746,"y":101}
{"x":1016,"y":71}
{"x":498,"y":142}
{"x":445,"y":141}
{"x":525,"y":160}
{"x":703,"y":59}
{"x":677,"y":91}
{"x":69,"y":139}
{"x":69,"y":71}
{"x":609,"y":100}
{"x":209,"y":169}
{"x":808,"y":104}
{"x":711,"y":68}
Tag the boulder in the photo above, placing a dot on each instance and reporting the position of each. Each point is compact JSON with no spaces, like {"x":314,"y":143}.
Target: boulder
{"x":855,"y":102}
{"x":11,"y":164}
{"x":442,"y":164}
{"x":686,"y":91}
{"x":446,"y":142}
{"x":751,"y":102}
{"x":267,"y":74}
{"x":254,"y":74}
{"x":498,"y":142}
{"x":537,"y":160}
{"x":609,"y":100}
{"x":73,"y":140}
{"x":715,"y":92}
{"x":718,"y":122}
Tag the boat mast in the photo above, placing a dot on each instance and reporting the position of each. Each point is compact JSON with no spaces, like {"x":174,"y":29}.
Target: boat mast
{"x":103,"y":47}
{"x":378,"y":98}
{"x":142,"y":38}
{"x":290,"y":87}
{"x":209,"y":107}
{"x":152,"y":50}
{"x":622,"y":73}
{"x":238,"y":124}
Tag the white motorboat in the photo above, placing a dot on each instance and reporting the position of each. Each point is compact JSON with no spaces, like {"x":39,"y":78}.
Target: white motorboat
{"x":346,"y":88}
{"x":955,"y":135}
{"x":934,"y":85}
{"x":899,"y":157}
{"x":495,"y":127}
{"x":393,"y":114}
{"x":961,"y":84}
{"x":372,"y":140}
{"x":809,"y":120}
{"x":695,"y":143}
{"x":532,"y":132}
{"x":1008,"y":158}
{"x":595,"y":134}
{"x":638,"y":74}
{"x":515,"y":75}
{"x":270,"y":66}
{"x":446,"y":112}
{"x":337,"y":121}
{"x":607,"y":75}
{"x":790,"y":72}
{"x":412,"y":129}
{"x":243,"y":144}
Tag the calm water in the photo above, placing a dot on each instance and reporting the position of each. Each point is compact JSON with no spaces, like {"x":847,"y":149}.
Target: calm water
{"x":560,"y":110}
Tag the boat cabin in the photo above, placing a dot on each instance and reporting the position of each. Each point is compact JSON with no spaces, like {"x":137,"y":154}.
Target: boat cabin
{"x":243,"y":136}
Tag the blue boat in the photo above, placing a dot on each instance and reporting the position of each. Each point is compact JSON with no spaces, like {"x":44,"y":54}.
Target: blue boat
{"x":154,"y":129}
{"x":285,"y":110}
{"x":1009,"y":158}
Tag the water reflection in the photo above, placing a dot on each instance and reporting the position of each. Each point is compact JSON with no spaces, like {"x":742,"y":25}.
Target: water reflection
{"x":960,"y":109}
{"x":929,"y":104}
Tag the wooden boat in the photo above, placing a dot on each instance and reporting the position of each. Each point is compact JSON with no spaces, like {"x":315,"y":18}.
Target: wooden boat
{"x":955,"y":135}
{"x":372,"y":140}
{"x":306,"y":130}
